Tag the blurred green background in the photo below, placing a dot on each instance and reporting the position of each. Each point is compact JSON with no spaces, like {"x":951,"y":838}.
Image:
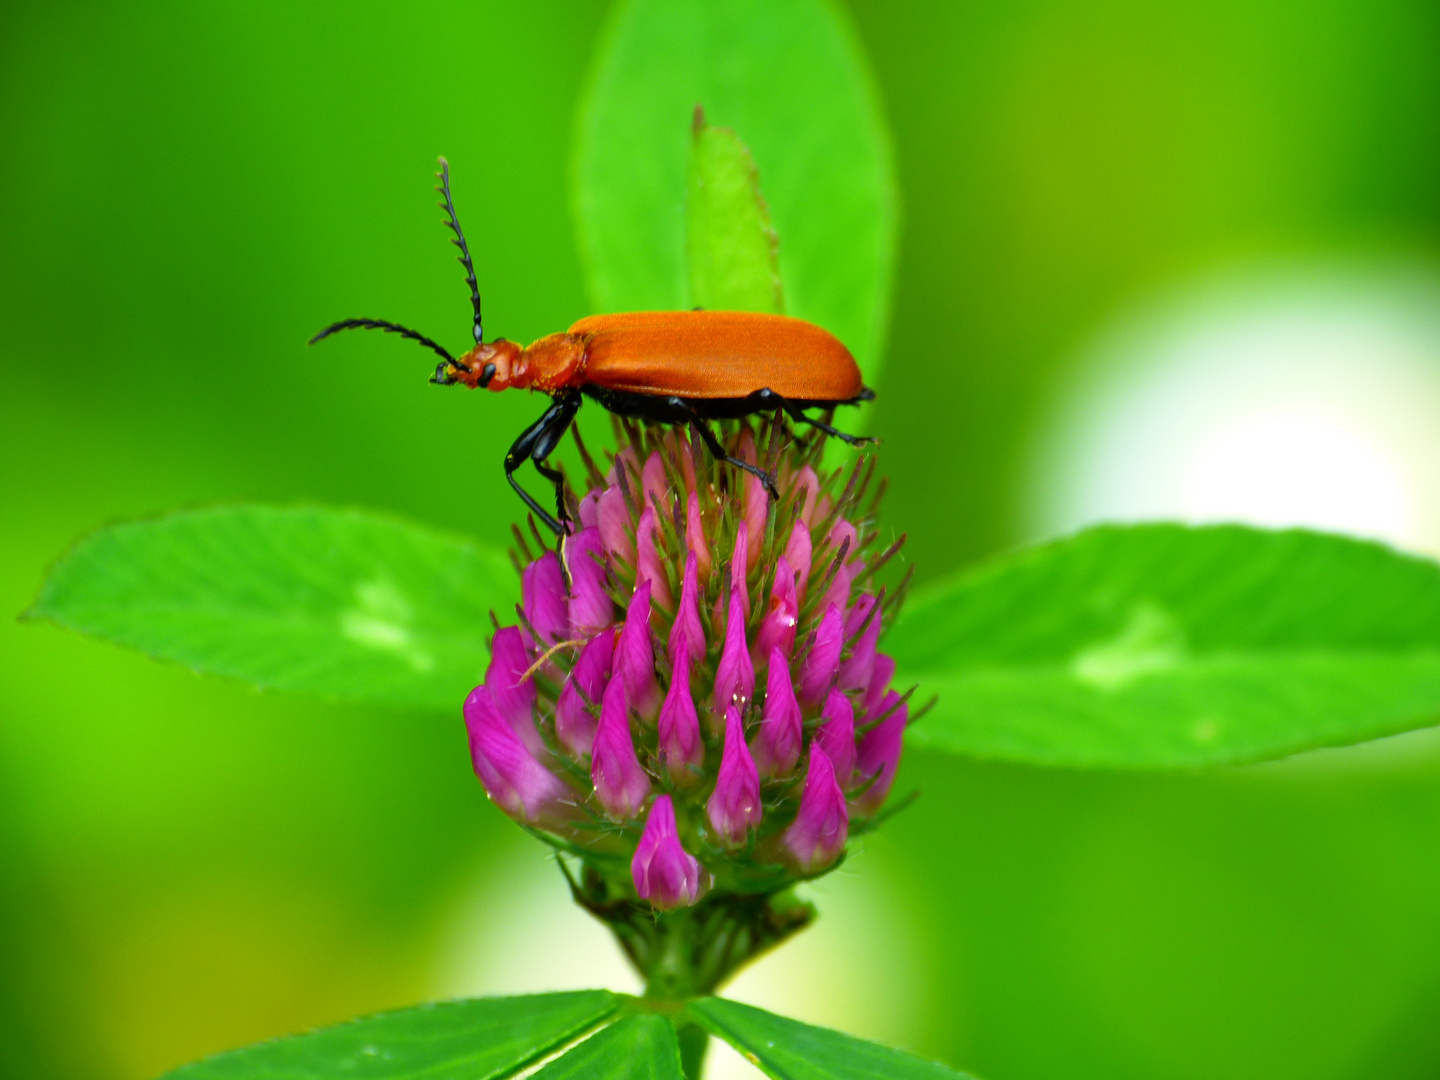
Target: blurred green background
{"x":190,"y":190}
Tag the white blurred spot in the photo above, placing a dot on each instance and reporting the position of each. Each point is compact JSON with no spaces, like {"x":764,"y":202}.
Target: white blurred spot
{"x":1307,"y":398}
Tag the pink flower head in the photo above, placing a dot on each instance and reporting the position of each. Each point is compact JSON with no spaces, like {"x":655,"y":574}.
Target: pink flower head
{"x":542,"y":589}
{"x":679,"y":727}
{"x":777,"y":625}
{"x":836,"y":736}
{"x":620,"y":783}
{"x":822,"y":662}
{"x":575,"y":710}
{"x":613,"y":519}
{"x":734,"y":806}
{"x":822,"y":824}
{"x":510,"y":691}
{"x":735,"y":674}
{"x":591,"y":608}
{"x":688,"y":629}
{"x":879,"y":754}
{"x":518,"y":784}
{"x":635,"y":656}
{"x":862,"y":629}
{"x":664,"y":873}
{"x":776,"y":747}
{"x":650,"y":559}
{"x":797,"y":554}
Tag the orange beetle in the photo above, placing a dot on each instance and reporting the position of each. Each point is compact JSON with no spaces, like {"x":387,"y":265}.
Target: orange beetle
{"x":672,"y":367}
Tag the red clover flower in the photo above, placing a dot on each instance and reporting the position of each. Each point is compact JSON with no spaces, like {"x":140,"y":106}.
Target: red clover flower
{"x":693,"y":703}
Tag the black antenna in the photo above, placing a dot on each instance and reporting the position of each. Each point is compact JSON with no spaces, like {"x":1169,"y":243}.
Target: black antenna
{"x":389,"y":328}
{"x":459,"y":241}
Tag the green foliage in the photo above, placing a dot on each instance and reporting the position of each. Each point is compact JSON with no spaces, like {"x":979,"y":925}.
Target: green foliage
{"x":1168,"y":646}
{"x":730,"y":246}
{"x":791,"y":80}
{"x":789,"y":1050}
{"x":340,"y":603}
{"x":637,"y":1048}
{"x":482,"y":1039}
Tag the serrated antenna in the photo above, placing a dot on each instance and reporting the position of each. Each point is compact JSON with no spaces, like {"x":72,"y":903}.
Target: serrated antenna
{"x":459,"y":241}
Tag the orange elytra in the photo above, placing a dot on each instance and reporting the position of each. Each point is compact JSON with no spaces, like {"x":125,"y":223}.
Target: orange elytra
{"x":671,"y":367}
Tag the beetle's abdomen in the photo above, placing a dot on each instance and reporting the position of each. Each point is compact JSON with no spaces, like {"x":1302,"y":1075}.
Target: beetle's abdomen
{"x":717,"y":354}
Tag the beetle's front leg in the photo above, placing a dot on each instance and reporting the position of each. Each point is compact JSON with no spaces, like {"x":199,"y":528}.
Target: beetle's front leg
{"x":536,"y":442}
{"x":561,"y":415}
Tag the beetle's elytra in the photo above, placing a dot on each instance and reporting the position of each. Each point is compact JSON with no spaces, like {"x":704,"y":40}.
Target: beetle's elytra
{"x":672,"y":367}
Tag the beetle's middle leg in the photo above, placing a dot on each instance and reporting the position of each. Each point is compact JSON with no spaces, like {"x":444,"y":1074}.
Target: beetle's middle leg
{"x":713,"y":444}
{"x":797,"y":414}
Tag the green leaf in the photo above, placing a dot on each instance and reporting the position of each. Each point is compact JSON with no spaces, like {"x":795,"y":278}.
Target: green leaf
{"x":482,"y":1039}
{"x":334,"y":602}
{"x":637,"y":1048}
{"x":1168,"y":646}
{"x":731,"y":246}
{"x":789,"y":1050}
{"x":789,"y":77}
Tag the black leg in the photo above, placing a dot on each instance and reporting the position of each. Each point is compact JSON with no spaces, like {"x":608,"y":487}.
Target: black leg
{"x":797,"y":414}
{"x":536,"y":442}
{"x":713,"y":444}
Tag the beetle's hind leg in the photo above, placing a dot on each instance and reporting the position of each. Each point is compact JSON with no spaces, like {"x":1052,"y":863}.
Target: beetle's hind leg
{"x":713,"y":444}
{"x":797,"y":414}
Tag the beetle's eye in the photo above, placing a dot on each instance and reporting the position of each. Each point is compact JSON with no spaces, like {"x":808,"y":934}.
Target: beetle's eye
{"x":486,"y":374}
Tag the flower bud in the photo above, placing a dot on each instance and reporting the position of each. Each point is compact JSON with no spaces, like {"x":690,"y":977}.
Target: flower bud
{"x":807,"y":481}
{"x":880,"y":677}
{"x":663,"y":872}
{"x":797,"y":554}
{"x":591,"y":608}
{"x":542,"y":591}
{"x":654,"y":484}
{"x":734,"y":806}
{"x":879,"y":754}
{"x":777,"y":625}
{"x":695,"y":538}
{"x":822,"y":662}
{"x":822,"y":824}
{"x":518,"y":784}
{"x":688,"y":628}
{"x":836,"y":736}
{"x":614,"y":524}
{"x":620,"y":783}
{"x":735,"y":674}
{"x":510,"y":691}
{"x":575,"y":718}
{"x":862,"y":630}
{"x":635,"y":656}
{"x":649,"y":563}
{"x":776,"y":747}
{"x":681,"y":747}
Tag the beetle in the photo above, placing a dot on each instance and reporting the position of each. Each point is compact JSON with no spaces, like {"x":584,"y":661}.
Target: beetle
{"x":671,"y":367}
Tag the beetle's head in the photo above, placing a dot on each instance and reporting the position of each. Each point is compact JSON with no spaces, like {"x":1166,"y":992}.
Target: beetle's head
{"x":493,"y":365}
